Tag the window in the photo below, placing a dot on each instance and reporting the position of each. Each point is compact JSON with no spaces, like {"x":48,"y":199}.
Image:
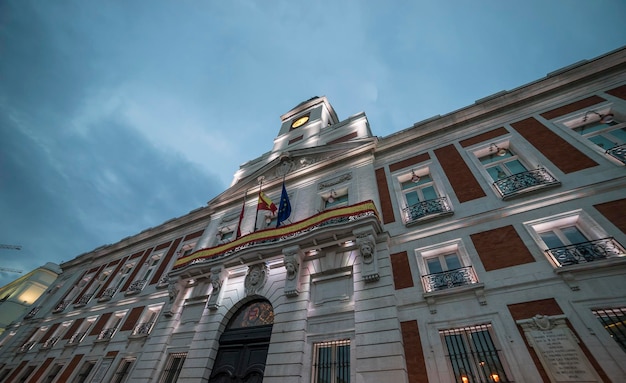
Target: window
{"x":614,"y":321}
{"x":81,"y":332}
{"x":473,"y":355}
{"x":53,"y":373}
{"x":173,"y":367}
{"x":574,"y":238}
{"x":421,"y":197}
{"x":84,"y":372}
{"x":111,"y":326}
{"x":608,"y":135}
{"x":29,"y":370}
{"x":122,"y":371}
{"x":146,"y":270}
{"x":147,"y":321}
{"x":117,"y":282}
{"x":444,"y":266}
{"x":331,"y":363}
{"x":335,"y":198}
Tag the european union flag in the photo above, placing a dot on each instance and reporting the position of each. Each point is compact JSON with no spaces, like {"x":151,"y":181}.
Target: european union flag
{"x":284,"y":207}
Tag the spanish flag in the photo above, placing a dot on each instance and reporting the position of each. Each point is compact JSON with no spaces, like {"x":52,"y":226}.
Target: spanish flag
{"x":266,"y":204}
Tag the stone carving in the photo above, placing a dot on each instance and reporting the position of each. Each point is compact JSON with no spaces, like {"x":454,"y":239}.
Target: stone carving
{"x":172,"y":290}
{"x":292,"y":265}
{"x":292,"y":258}
{"x":366,"y":247}
{"x":335,"y":181}
{"x":257,"y":275}
{"x":218,"y":274}
{"x":366,"y":242}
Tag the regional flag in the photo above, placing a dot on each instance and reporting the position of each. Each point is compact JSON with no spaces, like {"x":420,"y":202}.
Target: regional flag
{"x":265,"y":203}
{"x":284,"y":209}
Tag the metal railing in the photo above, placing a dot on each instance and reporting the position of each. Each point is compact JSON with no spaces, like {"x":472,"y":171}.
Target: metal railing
{"x":428,"y":208}
{"x":586,"y":251}
{"x":108,"y":293}
{"x":164,"y":281}
{"x":107,"y":333}
{"x":448,"y":279}
{"x":27,"y":346}
{"x":84,"y":300}
{"x":526,"y":181}
{"x":143,"y":328}
{"x":618,"y":152}
{"x":76,"y":338}
{"x":50,"y":342}
{"x":32,"y":312}
{"x":136,"y":286}
{"x":61,"y":306}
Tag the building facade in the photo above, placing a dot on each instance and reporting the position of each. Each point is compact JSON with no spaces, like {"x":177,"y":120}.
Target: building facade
{"x":484,"y":245}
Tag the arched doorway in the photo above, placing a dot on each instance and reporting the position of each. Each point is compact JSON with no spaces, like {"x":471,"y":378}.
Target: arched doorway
{"x":244,"y":344}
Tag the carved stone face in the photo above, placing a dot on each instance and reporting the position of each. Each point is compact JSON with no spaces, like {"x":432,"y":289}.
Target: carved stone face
{"x":255,"y":276}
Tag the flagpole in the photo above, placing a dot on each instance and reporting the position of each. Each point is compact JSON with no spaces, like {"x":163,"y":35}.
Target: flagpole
{"x":243,"y":207}
{"x":256,"y":215}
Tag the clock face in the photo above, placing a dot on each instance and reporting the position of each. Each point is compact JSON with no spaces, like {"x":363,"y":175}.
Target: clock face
{"x":299,"y":122}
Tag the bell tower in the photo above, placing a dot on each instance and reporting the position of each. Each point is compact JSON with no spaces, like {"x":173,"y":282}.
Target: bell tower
{"x":302,"y":126}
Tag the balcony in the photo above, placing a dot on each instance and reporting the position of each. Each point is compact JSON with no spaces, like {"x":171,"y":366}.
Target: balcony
{"x":107,"y":294}
{"x":83,"y":300}
{"x":525,"y":182}
{"x":106,"y":334}
{"x":32,"y":312}
{"x":163,"y":282}
{"x":143,"y":329}
{"x":27,"y":346}
{"x":586,"y":252}
{"x":427,"y":209}
{"x":330,"y":223}
{"x":464,"y":276}
{"x":61,"y":306}
{"x":136,"y":287}
{"x":50,"y":342}
{"x":76,"y":338}
{"x":618,"y":152}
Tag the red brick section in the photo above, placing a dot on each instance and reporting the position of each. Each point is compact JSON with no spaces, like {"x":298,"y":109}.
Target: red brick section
{"x":560,"y":152}
{"x":132,"y":318}
{"x":500,"y":248}
{"x":136,"y":269}
{"x":111,"y":354}
{"x":99,"y":326}
{"x":385,"y":197}
{"x":39,"y":373}
{"x":49,"y":333}
{"x":614,"y":212}
{"x":163,"y":246}
{"x":618,"y":92}
{"x":465,"y":185}
{"x":413,"y":352}
{"x":565,"y":109}
{"x":137,"y":254}
{"x":294,"y":140}
{"x":70,"y":368}
{"x":483,"y":137}
{"x":165,"y":262}
{"x":526,"y":310}
{"x":16,"y":372}
{"x":120,"y":263}
{"x":408,"y":162}
{"x":342,"y":139}
{"x":402,"y":277}
{"x":193,"y":235}
{"x":73,"y":328}
{"x":86,"y":288}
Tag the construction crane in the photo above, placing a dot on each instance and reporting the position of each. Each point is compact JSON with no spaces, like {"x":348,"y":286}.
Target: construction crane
{"x":10,"y":247}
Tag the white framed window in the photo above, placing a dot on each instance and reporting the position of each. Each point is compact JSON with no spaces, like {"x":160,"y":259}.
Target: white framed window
{"x":173,"y":367}
{"x":474,"y":354}
{"x":613,"y":320}
{"x":84,"y":372}
{"x":602,"y":128}
{"x":421,"y":196}
{"x":335,"y":198}
{"x":112,"y":325}
{"x":444,"y":266}
{"x":144,"y":274}
{"x":573,"y":238}
{"x":82,"y":331}
{"x":54,"y":371}
{"x":123,"y":370}
{"x":510,"y":169}
{"x":147,"y":320}
{"x":331,"y":362}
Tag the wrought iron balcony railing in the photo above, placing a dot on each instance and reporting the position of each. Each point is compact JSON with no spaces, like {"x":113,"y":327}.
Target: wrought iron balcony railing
{"x":27,"y":346}
{"x":143,"y":328}
{"x":326,"y":218}
{"x":76,"y":338}
{"x":108,"y":294}
{"x":618,"y":152}
{"x":32,"y":312}
{"x":163,"y":282}
{"x":107,"y":333}
{"x":136,"y":286}
{"x":50,"y":342}
{"x":586,"y":251}
{"x":84,"y":300}
{"x":449,"y":279}
{"x":524,"y":182}
{"x":427,"y":209}
{"x":61,"y":306}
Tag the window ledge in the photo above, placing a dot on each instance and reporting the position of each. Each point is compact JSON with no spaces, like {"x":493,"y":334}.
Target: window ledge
{"x":477,"y":288}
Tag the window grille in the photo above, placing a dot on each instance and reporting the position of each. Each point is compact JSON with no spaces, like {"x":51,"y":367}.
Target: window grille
{"x":84,"y":372}
{"x":122,"y":371}
{"x":331,"y":362}
{"x":53,"y":373}
{"x":173,"y":367}
{"x":614,"y":321}
{"x":473,"y":355}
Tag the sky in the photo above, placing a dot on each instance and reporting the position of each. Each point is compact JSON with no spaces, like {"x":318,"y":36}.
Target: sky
{"x":116,"y":116}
